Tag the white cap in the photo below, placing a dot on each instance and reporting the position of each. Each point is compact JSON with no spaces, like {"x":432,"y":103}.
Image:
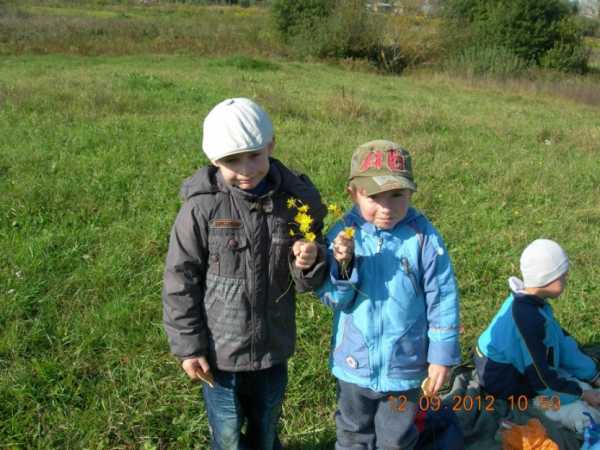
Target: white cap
{"x":542,"y":262}
{"x":235,"y":125}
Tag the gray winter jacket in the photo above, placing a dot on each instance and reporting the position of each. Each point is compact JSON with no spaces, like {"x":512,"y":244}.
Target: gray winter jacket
{"x":229,"y":279}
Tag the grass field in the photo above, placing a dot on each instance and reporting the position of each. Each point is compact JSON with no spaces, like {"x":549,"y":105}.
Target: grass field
{"x":92,"y":154}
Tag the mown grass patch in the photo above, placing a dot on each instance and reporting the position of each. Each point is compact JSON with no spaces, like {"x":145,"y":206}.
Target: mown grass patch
{"x":122,"y":29}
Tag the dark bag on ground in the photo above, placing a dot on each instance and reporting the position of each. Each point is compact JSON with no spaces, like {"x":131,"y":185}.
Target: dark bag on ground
{"x":439,"y":430}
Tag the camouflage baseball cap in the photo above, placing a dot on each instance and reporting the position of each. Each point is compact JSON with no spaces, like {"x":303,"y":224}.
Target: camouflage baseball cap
{"x":380,"y":166}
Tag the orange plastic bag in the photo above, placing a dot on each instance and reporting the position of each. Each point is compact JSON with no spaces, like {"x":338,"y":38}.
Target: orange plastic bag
{"x":527,"y":437}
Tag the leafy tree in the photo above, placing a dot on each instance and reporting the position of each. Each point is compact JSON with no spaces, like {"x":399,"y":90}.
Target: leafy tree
{"x":538,"y":31}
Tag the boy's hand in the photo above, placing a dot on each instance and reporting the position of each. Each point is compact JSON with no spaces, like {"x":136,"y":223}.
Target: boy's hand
{"x":438,"y":375}
{"x":343,"y":248}
{"x":305,"y":253}
{"x":197,"y":368}
{"x":591,"y":397}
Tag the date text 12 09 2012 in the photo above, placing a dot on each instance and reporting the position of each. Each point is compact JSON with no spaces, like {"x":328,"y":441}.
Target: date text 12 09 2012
{"x":474,"y":402}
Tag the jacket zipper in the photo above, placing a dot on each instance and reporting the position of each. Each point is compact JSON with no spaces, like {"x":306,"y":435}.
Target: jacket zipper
{"x":252,"y":279}
{"x":409,"y":273}
{"x":379,"y":353}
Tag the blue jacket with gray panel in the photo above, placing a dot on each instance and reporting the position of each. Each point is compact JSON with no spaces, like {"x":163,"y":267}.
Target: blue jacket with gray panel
{"x":524,"y":351}
{"x":398,"y":310}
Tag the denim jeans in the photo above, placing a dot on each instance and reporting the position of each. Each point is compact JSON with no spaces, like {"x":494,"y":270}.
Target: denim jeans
{"x":368,"y":420}
{"x":252,"y":398}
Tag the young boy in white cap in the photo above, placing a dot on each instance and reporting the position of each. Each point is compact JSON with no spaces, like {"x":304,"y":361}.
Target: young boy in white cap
{"x":395,"y":298}
{"x":231,"y":273}
{"x":524,"y":351}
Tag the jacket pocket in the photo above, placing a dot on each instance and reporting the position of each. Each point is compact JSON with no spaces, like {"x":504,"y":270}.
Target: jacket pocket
{"x":227,"y":313}
{"x":352,"y":354}
{"x":409,"y":352}
{"x":227,"y":249}
{"x":410,"y":273}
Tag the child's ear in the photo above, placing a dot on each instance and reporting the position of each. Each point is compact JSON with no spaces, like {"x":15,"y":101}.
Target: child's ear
{"x":351,"y":190}
{"x":271,"y":146}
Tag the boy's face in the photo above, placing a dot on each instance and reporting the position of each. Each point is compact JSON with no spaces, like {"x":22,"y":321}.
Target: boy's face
{"x":384,"y":210}
{"x":556,"y":288}
{"x":245,"y":170}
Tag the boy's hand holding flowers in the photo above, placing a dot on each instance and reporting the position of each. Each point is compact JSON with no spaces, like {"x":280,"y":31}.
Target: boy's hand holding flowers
{"x":438,"y":375}
{"x":343,"y":248}
{"x":305,"y":253}
{"x":305,"y":250}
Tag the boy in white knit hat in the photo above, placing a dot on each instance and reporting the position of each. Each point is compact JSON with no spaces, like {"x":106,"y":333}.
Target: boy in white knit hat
{"x":524,"y":351}
{"x":231,"y":272}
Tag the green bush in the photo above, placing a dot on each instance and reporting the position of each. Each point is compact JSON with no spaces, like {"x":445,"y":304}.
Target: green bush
{"x":349,"y":32}
{"x":543,"y":32}
{"x":293,"y":17}
{"x":568,"y":54}
{"x":566,"y":58}
{"x":337,"y":29}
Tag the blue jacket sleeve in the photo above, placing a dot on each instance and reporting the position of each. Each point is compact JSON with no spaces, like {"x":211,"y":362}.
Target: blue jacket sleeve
{"x":574,"y":361}
{"x":542,"y":377}
{"x":336,"y":292}
{"x":441,"y":296}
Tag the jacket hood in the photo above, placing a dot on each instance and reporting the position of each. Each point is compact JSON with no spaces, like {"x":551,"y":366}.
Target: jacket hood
{"x":354,"y":218}
{"x":204,"y":181}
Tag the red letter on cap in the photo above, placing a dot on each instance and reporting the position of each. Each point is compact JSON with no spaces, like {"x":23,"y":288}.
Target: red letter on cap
{"x":373,"y":159}
{"x":395,"y":161}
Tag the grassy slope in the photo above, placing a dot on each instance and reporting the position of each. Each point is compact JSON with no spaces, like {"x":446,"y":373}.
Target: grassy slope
{"x":93,"y":152}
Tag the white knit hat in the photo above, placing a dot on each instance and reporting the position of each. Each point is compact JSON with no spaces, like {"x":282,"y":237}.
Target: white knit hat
{"x":542,"y":262}
{"x":235,"y":125}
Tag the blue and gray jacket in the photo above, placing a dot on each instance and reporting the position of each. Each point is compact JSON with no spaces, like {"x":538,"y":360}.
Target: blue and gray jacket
{"x":525,"y":351}
{"x":398,"y":311}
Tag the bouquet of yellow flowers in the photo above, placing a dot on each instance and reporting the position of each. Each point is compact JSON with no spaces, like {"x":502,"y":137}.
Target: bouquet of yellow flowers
{"x":303,"y":220}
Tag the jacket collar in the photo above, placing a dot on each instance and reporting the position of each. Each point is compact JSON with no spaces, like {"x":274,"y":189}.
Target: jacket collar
{"x":273,"y":178}
{"x":531,"y":299}
{"x":208,"y":180}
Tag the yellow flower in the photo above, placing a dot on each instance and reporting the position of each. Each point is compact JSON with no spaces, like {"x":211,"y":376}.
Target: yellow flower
{"x":292,"y":234}
{"x":303,"y":218}
{"x":310,"y":236}
{"x":349,"y":232}
{"x":303,"y":209}
{"x":334,"y":210}
{"x":304,"y":227}
{"x":291,"y":202}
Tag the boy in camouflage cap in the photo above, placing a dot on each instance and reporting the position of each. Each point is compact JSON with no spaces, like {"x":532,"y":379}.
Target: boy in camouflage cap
{"x":394,"y":292}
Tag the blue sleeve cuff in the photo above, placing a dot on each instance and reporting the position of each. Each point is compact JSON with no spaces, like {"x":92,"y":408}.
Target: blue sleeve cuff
{"x":443,"y":353}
